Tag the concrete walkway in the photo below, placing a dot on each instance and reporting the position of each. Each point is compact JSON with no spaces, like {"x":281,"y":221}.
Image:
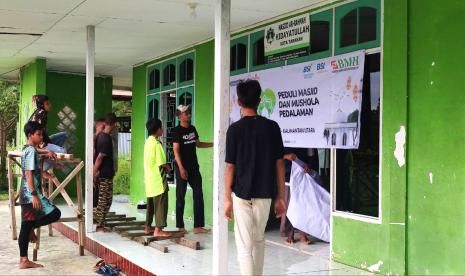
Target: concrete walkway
{"x":58,"y":254}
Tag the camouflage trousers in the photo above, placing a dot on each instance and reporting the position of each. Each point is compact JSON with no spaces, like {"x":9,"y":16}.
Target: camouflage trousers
{"x":105,"y":197}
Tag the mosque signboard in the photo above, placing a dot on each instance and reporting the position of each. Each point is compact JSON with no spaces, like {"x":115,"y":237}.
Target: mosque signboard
{"x":316,"y":104}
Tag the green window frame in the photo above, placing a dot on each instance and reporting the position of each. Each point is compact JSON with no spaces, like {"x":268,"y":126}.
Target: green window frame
{"x":235,"y":44}
{"x":153,"y":79}
{"x":184,"y":61}
{"x":323,"y":17}
{"x":254,"y":39}
{"x":167,"y":74}
{"x":356,"y":8}
{"x":180,"y":99}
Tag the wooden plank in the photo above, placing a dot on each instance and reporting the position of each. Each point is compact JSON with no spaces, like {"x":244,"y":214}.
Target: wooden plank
{"x":133,"y":234}
{"x":36,"y":245}
{"x":159,"y":247}
{"x":65,"y":195}
{"x":65,"y":182}
{"x":193,"y":244}
{"x":70,"y":219}
{"x":124,"y":223}
{"x":81,"y":228}
{"x":49,"y":192}
{"x":12,"y":200}
{"x":128,"y":228}
{"x":120,"y":219}
{"x":115,"y":216}
{"x":145,"y":240}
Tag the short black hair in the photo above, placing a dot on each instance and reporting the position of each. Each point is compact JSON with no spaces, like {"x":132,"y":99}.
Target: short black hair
{"x":110,"y":118}
{"x":153,"y":125}
{"x":31,"y":127}
{"x":248,"y":93}
{"x":100,"y":120}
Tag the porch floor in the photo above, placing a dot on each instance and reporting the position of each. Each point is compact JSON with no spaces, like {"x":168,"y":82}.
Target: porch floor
{"x":280,"y":258}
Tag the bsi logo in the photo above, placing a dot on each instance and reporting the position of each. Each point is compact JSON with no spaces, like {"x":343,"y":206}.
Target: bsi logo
{"x":320,"y":66}
{"x":307,"y":69}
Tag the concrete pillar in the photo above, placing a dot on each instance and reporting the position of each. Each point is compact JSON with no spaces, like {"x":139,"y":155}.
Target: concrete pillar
{"x":89,"y":136}
{"x":221,"y":122}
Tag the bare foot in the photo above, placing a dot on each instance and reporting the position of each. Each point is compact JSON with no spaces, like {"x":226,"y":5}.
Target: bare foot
{"x":182,"y":230}
{"x":290,"y":240}
{"x":24,"y":263}
{"x":148,"y":229}
{"x":200,"y":230}
{"x":102,"y":229}
{"x":160,"y":233}
{"x":32,"y":236}
{"x":304,"y":239}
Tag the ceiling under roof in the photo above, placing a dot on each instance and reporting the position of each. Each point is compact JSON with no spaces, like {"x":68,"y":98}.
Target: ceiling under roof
{"x":127,"y":31}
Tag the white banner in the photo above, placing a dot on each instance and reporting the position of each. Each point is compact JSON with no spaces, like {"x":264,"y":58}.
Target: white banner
{"x":317,"y":104}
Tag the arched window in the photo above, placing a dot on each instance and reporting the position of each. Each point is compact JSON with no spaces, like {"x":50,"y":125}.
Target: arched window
{"x":154,"y":79}
{"x":185,"y":99}
{"x":169,"y":75}
{"x":344,"y":139}
{"x":186,"y":70}
{"x":333,"y":139}
{"x":153,"y":107}
{"x":258,"y":49}
{"x":319,"y":36}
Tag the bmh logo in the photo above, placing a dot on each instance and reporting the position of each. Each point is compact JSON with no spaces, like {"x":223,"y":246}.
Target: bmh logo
{"x":345,"y":63}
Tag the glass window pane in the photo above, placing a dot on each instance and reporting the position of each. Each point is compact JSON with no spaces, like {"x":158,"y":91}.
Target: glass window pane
{"x":157,"y":79}
{"x":259,"y":52}
{"x":232,"y":64}
{"x":172,"y":74}
{"x":152,"y":80}
{"x":182,"y":71}
{"x":185,"y":99}
{"x":166,"y":76}
{"x":357,"y":170}
{"x":367,"y":24}
{"x":189,"y":69}
{"x":348,"y":35}
{"x":319,"y":36}
{"x":241,"y":56}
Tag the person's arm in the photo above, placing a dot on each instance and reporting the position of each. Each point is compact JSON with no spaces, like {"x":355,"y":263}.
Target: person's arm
{"x":279,"y":205}
{"x":97,"y":164}
{"x":30,"y":183}
{"x":49,"y":153}
{"x":229,"y":175}
{"x":177,"y":157}
{"x":203,"y":145}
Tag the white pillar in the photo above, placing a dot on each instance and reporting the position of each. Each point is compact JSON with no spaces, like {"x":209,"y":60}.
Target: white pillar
{"x":89,"y":163}
{"x":221,"y":122}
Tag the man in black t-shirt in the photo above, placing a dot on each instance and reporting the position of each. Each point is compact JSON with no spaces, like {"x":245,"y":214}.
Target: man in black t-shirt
{"x":255,"y":173}
{"x":104,"y":170}
{"x":185,"y":143}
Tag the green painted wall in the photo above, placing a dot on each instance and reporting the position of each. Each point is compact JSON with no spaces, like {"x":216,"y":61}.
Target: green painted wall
{"x":363,"y":244}
{"x":69,"y":91}
{"x":436,"y":229}
{"x":203,"y":108}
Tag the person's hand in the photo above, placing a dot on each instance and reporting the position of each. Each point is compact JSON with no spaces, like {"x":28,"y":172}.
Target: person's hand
{"x":36,"y":202}
{"x":96,"y":174}
{"x":290,"y":156}
{"x":307,"y":168}
{"x":183,"y":174}
{"x":228,"y":209}
{"x":279,"y":207}
{"x":168,"y":167}
{"x":51,"y":155}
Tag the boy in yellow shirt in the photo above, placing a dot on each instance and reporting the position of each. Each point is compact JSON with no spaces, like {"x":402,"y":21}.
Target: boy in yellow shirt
{"x":156,"y":186}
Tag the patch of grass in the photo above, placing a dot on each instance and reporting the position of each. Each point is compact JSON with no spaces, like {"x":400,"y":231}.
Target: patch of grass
{"x":3,"y":195}
{"x":122,"y":180}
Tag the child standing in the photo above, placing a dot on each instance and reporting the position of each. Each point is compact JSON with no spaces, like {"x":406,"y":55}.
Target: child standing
{"x":156,"y":185}
{"x":36,"y":210}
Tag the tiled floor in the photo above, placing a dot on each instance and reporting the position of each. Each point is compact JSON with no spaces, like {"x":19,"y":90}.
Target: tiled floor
{"x":280,"y":258}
